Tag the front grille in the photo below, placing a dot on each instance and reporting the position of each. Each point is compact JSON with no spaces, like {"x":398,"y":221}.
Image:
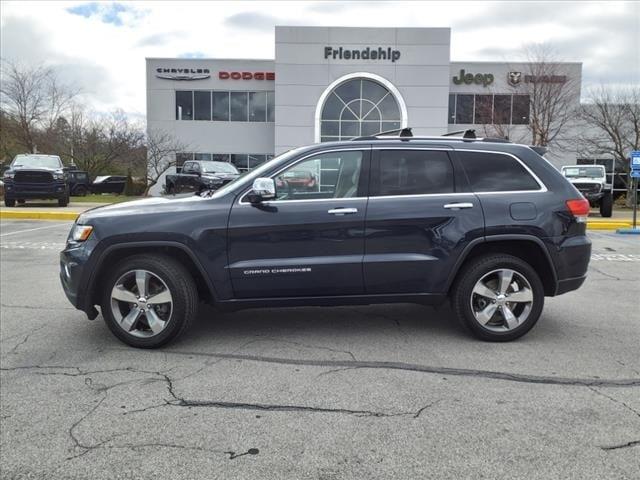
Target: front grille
{"x":588,"y":187}
{"x":33,"y":177}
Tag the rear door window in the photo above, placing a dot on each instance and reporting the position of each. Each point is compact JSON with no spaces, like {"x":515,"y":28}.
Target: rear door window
{"x":414,"y":172}
{"x":496,"y":172}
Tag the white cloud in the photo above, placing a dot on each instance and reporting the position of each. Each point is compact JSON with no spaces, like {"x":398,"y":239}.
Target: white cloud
{"x":102,"y":47}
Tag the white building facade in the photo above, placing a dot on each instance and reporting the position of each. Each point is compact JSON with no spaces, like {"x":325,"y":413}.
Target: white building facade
{"x":336,"y":83}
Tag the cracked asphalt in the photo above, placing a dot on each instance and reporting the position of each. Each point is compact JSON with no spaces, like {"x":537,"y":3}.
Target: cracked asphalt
{"x":392,"y":391}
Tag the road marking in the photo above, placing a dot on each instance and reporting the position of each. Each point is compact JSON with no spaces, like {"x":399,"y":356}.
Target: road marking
{"x":615,"y":257}
{"x":34,"y":229}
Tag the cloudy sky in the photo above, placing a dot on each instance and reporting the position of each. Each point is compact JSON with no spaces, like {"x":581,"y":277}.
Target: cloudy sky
{"x":101,"y":46}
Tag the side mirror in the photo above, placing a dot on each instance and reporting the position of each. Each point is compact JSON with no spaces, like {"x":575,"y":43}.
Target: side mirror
{"x":263,"y":189}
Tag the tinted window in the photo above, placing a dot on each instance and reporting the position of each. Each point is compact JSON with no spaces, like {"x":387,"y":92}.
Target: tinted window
{"x":327,"y":175}
{"x":257,"y":106}
{"x":202,"y":104}
{"x":182,"y":157}
{"x":520,"y":110}
{"x":221,"y":106}
{"x":271,"y":106}
{"x":464,"y":109}
{"x":495,"y":172}
{"x":414,"y":172}
{"x":239,"y":110}
{"x":452,"y":108}
{"x":184,"y":105}
{"x":202,"y":156}
{"x":502,"y":109}
{"x":484,"y":109}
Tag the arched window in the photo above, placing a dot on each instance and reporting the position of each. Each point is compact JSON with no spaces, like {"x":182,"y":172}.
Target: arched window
{"x":357,"y":107}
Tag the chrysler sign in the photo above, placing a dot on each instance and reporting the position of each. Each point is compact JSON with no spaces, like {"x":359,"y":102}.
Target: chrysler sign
{"x":183,"y":73}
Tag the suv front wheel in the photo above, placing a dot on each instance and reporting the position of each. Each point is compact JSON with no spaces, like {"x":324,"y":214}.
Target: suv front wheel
{"x":498,"y":297}
{"x":149,"y":300}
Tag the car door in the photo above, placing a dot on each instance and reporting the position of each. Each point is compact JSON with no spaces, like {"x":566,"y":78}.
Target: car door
{"x":419,"y":219}
{"x":194,"y":181}
{"x":184,"y":177}
{"x":307,"y":242}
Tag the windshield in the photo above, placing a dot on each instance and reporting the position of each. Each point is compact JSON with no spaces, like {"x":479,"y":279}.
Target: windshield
{"x":591,"y":172}
{"x":218,"y":167}
{"x":250,"y":176}
{"x":37,"y":161}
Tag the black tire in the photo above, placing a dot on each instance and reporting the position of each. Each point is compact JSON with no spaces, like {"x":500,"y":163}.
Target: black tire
{"x":9,"y":202}
{"x":80,"y":191}
{"x":180,"y":284}
{"x":606,"y":205}
{"x":473,"y":272}
{"x":64,"y":201}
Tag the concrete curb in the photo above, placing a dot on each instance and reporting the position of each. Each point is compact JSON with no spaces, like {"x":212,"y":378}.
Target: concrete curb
{"x":35,"y":215}
{"x":39,"y":215}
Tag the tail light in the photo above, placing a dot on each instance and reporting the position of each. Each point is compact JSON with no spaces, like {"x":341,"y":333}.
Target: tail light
{"x":579,"y":208}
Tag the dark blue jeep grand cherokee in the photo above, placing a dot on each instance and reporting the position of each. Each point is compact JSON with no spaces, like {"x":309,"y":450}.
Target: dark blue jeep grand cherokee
{"x":490,"y":225}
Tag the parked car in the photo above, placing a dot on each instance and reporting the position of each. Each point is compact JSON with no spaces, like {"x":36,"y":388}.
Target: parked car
{"x":109,"y":184}
{"x":491,"y":226}
{"x":197,"y":176}
{"x":299,"y":180}
{"x":34,"y":176}
{"x":79,"y":183}
{"x":591,"y":181}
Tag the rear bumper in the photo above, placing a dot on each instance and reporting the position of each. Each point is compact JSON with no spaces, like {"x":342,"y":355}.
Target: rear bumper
{"x":571,"y":256}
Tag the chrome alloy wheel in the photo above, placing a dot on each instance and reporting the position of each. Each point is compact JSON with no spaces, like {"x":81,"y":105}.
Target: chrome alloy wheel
{"x":141,"y":303}
{"x":502,"y":300}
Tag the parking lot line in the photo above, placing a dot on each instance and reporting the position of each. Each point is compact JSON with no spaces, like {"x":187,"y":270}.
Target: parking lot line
{"x":34,"y":229}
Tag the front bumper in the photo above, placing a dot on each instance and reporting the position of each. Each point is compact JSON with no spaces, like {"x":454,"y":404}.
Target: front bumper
{"x":74,"y":274}
{"x":14,"y":190}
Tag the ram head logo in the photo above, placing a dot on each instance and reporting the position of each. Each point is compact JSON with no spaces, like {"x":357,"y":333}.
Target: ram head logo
{"x":514,"y":78}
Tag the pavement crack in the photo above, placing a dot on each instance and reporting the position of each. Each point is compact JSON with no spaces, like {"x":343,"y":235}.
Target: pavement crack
{"x":286,"y":408}
{"x":460,"y":372}
{"x":633,"y":443}
{"x":615,"y":400}
{"x":34,"y":307}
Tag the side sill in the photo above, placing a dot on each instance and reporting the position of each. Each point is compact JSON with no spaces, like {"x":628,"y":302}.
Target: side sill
{"x":332,"y":301}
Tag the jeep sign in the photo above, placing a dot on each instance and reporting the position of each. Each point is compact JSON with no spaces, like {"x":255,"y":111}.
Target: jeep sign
{"x":484,"y":79}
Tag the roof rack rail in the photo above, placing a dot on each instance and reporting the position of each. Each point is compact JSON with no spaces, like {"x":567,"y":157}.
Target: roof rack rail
{"x":496,"y":140}
{"x":469,"y":133}
{"x":402,"y":132}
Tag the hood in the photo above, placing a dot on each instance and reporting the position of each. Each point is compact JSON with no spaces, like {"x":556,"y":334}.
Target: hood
{"x":35,"y":169}
{"x":145,"y":206}
{"x":586,"y":180}
{"x":221,"y":175}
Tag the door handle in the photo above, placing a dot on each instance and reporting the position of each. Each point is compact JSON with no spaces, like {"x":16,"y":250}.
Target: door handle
{"x":459,"y":205}
{"x":343,"y":211}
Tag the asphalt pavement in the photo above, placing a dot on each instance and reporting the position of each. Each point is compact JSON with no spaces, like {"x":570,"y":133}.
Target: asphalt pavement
{"x":376,"y":392}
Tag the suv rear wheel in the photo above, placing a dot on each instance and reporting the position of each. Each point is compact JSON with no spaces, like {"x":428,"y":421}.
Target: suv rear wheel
{"x":149,"y":300}
{"x":498,"y":297}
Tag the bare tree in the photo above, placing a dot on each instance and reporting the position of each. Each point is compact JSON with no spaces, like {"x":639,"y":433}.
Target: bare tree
{"x":162,"y":148}
{"x":96,"y":144}
{"x":33,"y":99}
{"x":554,"y":95}
{"x":611,"y":126}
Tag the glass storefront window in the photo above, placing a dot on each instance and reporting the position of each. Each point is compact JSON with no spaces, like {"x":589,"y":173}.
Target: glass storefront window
{"x":184,"y":105}
{"x":239,"y":107}
{"x":358,"y":107}
{"x":202,"y":105}
{"x":257,"y":106}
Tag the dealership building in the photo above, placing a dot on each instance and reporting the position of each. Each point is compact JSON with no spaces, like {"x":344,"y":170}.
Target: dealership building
{"x":336,"y":83}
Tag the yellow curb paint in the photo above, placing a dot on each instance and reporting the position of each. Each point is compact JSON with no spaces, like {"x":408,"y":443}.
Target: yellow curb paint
{"x":21,"y":215}
{"x":607,"y":225}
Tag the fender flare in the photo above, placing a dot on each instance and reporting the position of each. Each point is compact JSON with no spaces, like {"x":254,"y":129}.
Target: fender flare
{"x":500,"y":238}
{"x":94,"y":273}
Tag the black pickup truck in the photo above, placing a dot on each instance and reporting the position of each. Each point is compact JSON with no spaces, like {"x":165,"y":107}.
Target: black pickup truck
{"x":197,"y":176}
{"x":34,"y":176}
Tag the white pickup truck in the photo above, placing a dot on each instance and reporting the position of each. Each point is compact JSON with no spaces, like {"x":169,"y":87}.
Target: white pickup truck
{"x":591,"y":181}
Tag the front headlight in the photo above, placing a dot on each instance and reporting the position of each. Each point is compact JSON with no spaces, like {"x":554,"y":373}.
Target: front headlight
{"x":8,"y":175}
{"x":81,"y":232}
{"x":58,"y":176}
